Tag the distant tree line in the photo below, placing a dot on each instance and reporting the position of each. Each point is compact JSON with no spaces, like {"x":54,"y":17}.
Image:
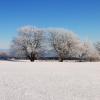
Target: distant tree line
{"x":32,"y":43}
{"x":4,"y":56}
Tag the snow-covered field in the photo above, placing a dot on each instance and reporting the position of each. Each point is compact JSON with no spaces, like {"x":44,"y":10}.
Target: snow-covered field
{"x":49,"y":81}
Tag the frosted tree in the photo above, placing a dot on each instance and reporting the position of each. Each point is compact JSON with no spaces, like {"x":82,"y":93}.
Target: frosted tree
{"x":63,"y":42}
{"x":97,"y":45}
{"x":87,"y":51}
{"x":28,"y":43}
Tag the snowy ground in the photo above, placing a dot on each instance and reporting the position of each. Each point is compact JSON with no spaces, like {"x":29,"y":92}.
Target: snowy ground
{"x":49,"y":81}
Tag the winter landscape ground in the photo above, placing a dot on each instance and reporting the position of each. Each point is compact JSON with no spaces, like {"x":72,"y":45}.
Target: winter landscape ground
{"x":49,"y":80}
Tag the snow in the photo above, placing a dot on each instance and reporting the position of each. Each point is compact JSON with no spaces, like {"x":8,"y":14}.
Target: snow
{"x":49,"y":80}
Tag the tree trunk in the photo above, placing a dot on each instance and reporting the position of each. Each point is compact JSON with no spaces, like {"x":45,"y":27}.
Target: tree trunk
{"x":32,"y":58}
{"x":60,"y":59}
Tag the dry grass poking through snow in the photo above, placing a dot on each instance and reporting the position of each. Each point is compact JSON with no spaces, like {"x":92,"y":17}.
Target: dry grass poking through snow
{"x":49,"y":81}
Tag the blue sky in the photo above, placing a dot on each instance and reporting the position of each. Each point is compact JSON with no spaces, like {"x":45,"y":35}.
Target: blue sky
{"x":80,"y":16}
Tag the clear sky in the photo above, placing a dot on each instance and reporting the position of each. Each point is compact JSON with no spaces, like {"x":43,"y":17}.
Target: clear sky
{"x":80,"y":16}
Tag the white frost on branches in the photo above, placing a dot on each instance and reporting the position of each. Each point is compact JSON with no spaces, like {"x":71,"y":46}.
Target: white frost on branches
{"x":33,"y":41}
{"x":28,"y":42}
{"x":63,"y":42}
{"x":87,"y":51}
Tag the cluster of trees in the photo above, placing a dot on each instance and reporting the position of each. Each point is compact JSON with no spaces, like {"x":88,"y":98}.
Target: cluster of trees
{"x":32,"y":42}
